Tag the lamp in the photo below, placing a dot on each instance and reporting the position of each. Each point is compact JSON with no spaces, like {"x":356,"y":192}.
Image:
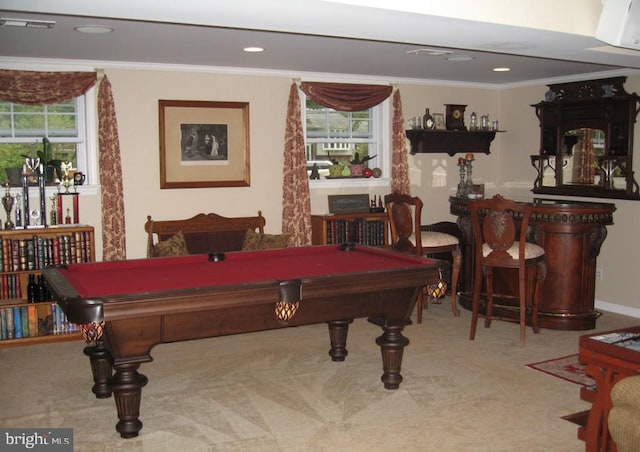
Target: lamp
{"x":290,"y":296}
{"x":436,"y":291}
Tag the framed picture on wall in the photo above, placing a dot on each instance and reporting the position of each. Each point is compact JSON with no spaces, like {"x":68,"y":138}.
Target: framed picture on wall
{"x":203,"y":144}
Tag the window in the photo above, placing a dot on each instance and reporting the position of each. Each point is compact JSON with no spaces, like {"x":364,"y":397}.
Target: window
{"x":337,"y":136}
{"x":22,"y":128}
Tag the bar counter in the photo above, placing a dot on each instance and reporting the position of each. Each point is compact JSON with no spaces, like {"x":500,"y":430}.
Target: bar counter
{"x":571,"y":233}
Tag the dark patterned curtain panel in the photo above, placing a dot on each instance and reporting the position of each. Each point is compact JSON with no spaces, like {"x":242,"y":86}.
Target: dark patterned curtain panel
{"x":40,"y":88}
{"x":399,"y":164}
{"x":113,"y":232}
{"x":296,"y":204}
{"x":346,"y":96}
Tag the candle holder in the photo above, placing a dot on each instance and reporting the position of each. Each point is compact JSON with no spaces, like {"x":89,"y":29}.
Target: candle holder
{"x":469,"y":183}
{"x":462,"y":165}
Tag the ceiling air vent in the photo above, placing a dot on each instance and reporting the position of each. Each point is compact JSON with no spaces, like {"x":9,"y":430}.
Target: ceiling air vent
{"x":429,"y":52}
{"x":26,"y":23}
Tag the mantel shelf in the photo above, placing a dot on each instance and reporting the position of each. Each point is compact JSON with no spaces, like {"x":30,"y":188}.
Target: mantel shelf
{"x":450,"y":141}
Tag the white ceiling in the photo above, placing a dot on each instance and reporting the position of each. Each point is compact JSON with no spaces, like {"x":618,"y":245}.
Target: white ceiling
{"x":555,"y":40}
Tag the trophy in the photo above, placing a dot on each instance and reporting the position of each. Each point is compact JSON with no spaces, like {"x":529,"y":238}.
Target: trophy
{"x":18,"y":213}
{"x":7,"y":203}
{"x":66,"y":180}
{"x":53,"y":220}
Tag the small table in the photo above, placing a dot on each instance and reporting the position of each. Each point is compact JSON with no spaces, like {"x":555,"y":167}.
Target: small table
{"x":128,"y":307}
{"x":609,"y":357}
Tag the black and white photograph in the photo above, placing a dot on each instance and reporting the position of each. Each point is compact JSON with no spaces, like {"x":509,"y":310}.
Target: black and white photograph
{"x":204,"y":142}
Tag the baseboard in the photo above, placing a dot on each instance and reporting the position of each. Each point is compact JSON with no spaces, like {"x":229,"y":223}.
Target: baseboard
{"x":617,"y":308}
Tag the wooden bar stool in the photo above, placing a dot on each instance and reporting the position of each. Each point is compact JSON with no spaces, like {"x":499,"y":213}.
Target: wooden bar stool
{"x":407,"y":236}
{"x":499,"y":228}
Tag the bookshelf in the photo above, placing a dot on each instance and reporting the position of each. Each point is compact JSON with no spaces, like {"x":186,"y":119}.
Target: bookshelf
{"x":25,"y":252}
{"x":363,"y":228}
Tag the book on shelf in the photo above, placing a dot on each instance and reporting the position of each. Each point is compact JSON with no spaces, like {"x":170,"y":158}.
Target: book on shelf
{"x":36,"y":319}
{"x":39,"y":252}
{"x":358,"y":230}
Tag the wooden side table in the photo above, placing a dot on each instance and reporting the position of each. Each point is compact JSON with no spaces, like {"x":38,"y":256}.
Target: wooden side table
{"x":609,"y":357}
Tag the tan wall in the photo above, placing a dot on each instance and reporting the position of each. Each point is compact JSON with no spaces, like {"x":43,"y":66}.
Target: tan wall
{"x":506,"y":169}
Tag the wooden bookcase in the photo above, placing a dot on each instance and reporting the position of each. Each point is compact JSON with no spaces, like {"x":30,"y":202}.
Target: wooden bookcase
{"x":27,"y":251}
{"x":363,"y":228}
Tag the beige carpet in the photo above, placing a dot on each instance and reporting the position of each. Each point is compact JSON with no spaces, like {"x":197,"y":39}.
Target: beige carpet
{"x":280,"y":391}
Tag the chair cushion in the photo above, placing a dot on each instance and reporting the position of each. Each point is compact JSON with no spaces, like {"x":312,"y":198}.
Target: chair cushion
{"x":531,"y":250}
{"x":173,"y":246}
{"x":255,"y":241}
{"x":623,"y":417}
{"x":432,"y":239}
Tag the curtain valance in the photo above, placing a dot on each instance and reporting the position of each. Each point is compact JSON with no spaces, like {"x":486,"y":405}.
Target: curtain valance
{"x":346,"y":96}
{"x":39,"y":88}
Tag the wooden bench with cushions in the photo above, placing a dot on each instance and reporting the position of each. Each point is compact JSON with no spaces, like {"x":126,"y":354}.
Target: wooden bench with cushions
{"x":205,"y":233}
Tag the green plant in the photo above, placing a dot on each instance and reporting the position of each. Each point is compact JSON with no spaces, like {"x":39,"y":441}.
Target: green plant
{"x":357,"y":161}
{"x":46,"y":156}
{"x":332,"y":160}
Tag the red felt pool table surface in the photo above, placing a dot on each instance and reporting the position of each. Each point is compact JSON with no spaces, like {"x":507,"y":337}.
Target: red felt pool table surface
{"x":163,"y":274}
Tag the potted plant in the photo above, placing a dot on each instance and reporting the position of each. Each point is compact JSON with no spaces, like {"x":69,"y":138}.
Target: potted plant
{"x":50,"y":165}
{"x":357,"y":164}
{"x":336,"y":168}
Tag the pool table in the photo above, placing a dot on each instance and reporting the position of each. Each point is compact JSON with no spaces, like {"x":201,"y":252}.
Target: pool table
{"x":127,"y":307}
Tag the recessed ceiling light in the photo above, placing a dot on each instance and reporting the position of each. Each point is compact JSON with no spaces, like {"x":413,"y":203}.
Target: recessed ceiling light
{"x":93,"y":29}
{"x":460,"y":58}
{"x":26,"y":23}
{"x":501,"y":69}
{"x":253,"y":49}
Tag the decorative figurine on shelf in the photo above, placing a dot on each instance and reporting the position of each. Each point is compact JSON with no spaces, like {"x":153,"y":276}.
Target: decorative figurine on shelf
{"x":315,"y":174}
{"x":427,"y":120}
{"x":474,"y":121}
{"x":7,"y":203}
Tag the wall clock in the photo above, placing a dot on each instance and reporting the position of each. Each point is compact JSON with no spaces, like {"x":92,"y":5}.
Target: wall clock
{"x":455,"y":117}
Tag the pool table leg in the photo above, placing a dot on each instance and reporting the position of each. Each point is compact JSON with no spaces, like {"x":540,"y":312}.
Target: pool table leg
{"x":127,"y":386}
{"x":338,"y":330}
{"x":392,"y":344}
{"x":101,"y":368}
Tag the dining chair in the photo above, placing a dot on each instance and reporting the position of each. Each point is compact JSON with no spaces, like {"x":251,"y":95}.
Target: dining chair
{"x":500,"y":228}
{"x":404,"y":213}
